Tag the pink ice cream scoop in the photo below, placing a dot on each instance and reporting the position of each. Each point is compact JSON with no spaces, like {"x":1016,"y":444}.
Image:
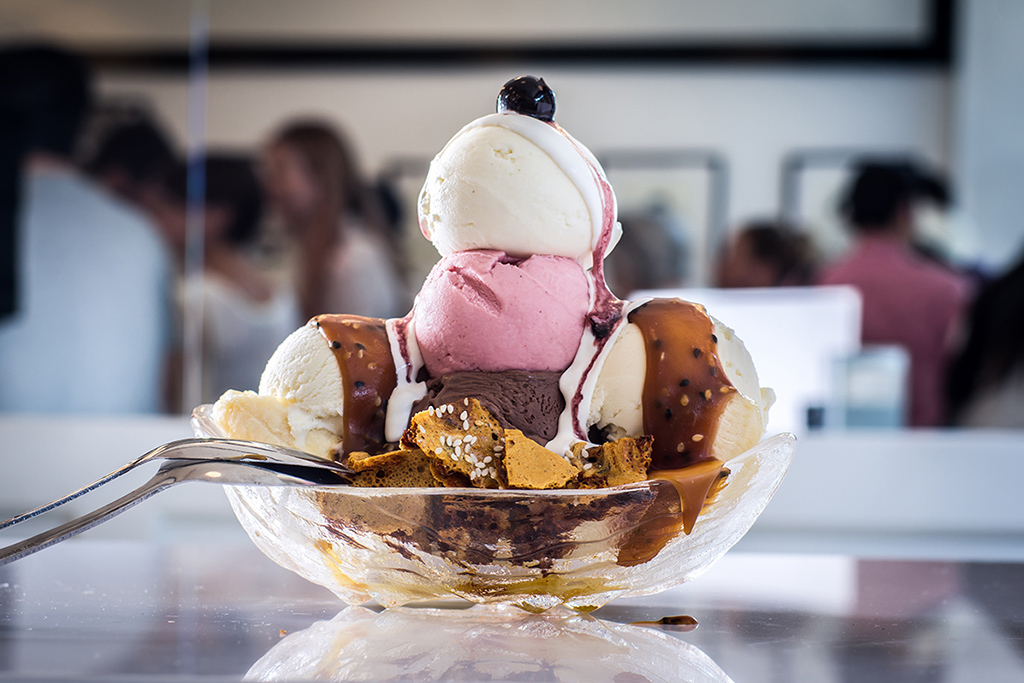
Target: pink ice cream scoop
{"x":484,"y":310}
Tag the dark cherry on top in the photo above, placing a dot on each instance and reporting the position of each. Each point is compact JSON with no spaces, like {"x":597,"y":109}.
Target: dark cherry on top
{"x":529,"y":96}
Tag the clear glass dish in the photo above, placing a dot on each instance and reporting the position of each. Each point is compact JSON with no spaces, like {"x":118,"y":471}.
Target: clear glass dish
{"x":533,"y":549}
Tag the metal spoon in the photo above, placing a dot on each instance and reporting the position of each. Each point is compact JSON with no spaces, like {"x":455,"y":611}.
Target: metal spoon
{"x":221,"y":461}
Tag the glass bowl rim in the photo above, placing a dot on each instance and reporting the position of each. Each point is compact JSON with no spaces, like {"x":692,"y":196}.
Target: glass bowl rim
{"x":202,"y":422}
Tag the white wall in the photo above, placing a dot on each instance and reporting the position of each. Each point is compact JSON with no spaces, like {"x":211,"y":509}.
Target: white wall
{"x":990,"y":124}
{"x":752,"y":115}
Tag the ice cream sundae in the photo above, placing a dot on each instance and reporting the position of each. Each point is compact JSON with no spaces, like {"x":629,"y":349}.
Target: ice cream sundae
{"x":517,"y":367}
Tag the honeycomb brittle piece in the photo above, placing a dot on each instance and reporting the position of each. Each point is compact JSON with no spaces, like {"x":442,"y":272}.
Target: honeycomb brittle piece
{"x":622,"y":461}
{"x":529,"y":465}
{"x":405,"y":467}
{"x":463,"y":441}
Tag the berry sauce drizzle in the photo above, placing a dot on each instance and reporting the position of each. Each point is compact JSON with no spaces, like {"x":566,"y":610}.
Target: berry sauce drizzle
{"x":605,"y":313}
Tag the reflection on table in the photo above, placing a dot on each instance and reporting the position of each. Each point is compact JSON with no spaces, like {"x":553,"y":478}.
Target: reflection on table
{"x":481,"y":644}
{"x":91,"y":609}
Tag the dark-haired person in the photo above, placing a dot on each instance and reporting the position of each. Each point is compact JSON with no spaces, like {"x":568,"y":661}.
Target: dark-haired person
{"x":908,"y":300}
{"x":986,"y":381}
{"x":91,"y":323}
{"x":246,"y":313}
{"x":130,"y":161}
{"x":766,"y":254}
{"x":650,"y":255}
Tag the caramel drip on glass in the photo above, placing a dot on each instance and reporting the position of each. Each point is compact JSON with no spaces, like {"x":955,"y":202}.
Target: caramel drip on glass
{"x":693,"y":484}
{"x":361,"y":347}
{"x":679,"y":498}
{"x":685,"y":386}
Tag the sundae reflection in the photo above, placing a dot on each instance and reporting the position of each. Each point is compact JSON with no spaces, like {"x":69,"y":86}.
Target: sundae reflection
{"x":481,"y":644}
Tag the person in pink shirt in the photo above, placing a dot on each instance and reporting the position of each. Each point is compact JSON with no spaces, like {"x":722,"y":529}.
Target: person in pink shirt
{"x":908,"y":300}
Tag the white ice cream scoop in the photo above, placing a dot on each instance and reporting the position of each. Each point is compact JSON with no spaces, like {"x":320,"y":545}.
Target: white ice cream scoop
{"x":301,"y":400}
{"x":516,"y":184}
{"x":617,"y":403}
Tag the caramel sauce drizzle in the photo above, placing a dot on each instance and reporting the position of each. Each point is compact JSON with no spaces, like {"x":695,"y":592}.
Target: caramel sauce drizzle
{"x":368,"y":376}
{"x":685,"y":386}
{"x":684,"y":623}
{"x":693,"y":484}
{"x":680,"y":497}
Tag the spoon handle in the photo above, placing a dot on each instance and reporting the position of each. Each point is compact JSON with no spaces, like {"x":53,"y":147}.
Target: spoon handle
{"x":158,"y":483}
{"x":72,"y":496}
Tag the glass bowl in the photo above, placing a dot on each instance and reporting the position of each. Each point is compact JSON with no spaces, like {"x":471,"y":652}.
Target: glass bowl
{"x":533,"y":549}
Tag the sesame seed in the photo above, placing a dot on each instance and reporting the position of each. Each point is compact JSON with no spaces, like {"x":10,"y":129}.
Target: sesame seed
{"x":724,"y":390}
{"x":430,"y":411}
{"x":458,"y":450}
{"x":588,"y":466}
{"x":684,"y":383}
{"x":714,"y":338}
{"x":698,"y":437}
{"x":454,"y":457}
{"x":371,"y":366}
{"x":335,"y":344}
{"x":697,"y":353}
{"x":465,"y":425}
{"x":488,"y":459}
{"x":707,"y":394}
{"x":680,"y":447}
{"x":478,"y":423}
{"x":499,"y":448}
{"x":438,"y":450}
{"x":463,"y":415}
{"x":685,"y":400}
{"x":465,"y":402}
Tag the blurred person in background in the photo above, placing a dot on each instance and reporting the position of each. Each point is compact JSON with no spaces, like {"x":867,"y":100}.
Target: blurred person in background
{"x":91,"y":324}
{"x":130,"y":160}
{"x":246,"y":314}
{"x":650,"y":255}
{"x":986,"y":381}
{"x":766,"y":254}
{"x":908,"y":300}
{"x":346,"y":259}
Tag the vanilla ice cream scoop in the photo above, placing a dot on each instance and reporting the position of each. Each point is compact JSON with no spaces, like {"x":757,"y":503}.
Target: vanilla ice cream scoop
{"x":519,"y":184}
{"x":323,"y":391}
{"x":300,"y":403}
{"x":627,"y":398}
